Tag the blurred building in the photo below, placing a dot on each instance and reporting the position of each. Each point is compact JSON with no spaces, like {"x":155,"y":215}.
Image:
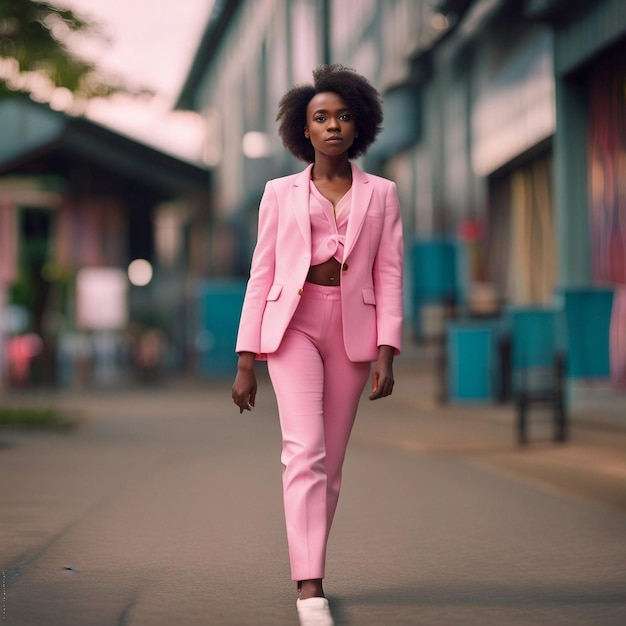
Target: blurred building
{"x":78,"y":204}
{"x":504,"y":129}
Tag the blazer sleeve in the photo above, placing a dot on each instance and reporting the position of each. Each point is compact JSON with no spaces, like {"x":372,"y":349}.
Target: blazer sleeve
{"x":388,"y":275}
{"x":261,"y":275}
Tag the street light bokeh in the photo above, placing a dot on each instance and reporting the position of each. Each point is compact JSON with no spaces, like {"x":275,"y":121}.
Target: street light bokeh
{"x":140,"y":272}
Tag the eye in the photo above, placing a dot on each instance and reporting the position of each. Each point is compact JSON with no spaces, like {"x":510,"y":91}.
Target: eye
{"x":345,"y":117}
{"x":319,"y":118}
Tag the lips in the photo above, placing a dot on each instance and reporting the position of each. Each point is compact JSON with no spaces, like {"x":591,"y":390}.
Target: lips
{"x":334,"y":139}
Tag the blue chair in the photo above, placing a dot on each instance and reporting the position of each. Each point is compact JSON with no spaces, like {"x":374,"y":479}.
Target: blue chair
{"x":537,"y":366}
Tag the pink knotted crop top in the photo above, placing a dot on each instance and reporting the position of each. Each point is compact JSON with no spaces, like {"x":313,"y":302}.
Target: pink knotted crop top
{"x":328,"y":226}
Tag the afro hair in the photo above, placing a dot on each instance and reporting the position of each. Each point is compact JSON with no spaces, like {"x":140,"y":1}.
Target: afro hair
{"x":360,"y":96}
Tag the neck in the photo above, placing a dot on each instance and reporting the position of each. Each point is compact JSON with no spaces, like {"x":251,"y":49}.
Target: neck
{"x":324,"y":168}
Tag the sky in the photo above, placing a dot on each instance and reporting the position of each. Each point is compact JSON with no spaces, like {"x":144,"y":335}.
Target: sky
{"x":148,"y":44}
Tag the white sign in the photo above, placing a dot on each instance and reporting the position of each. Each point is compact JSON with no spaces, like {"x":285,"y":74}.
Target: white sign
{"x":101,"y":298}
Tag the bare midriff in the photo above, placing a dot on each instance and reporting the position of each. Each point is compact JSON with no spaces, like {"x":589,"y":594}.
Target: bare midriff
{"x":327,"y":273}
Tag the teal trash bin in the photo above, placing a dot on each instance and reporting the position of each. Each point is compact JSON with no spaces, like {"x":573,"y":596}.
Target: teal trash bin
{"x":218,"y":310}
{"x":588,"y":322}
{"x":434,"y":277}
{"x":472,"y":361}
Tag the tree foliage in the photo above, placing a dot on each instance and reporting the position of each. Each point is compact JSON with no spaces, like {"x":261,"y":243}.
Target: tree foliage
{"x":35,"y":57}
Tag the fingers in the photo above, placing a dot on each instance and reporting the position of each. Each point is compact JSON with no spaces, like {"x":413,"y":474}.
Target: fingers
{"x":383,"y":392}
{"x":243,"y":406}
{"x":245,"y":403}
{"x":374,"y":393}
{"x":244,"y":391}
{"x":381,"y":388}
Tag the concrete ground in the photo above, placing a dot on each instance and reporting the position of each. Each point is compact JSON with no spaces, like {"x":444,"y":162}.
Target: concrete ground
{"x":165,"y":508}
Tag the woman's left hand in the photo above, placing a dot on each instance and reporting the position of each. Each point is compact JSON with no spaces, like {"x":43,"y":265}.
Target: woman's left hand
{"x":382,"y":374}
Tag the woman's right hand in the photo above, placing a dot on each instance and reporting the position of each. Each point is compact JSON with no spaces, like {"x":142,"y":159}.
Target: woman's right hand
{"x":245,"y":385}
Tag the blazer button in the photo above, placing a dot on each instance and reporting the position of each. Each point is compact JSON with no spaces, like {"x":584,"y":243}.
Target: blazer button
{"x":300,"y":292}
{"x":344,"y":267}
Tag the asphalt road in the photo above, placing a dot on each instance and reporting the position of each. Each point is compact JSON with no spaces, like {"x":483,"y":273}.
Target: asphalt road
{"x":165,"y":509}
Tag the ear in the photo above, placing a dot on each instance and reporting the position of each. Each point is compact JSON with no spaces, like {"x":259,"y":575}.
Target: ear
{"x":306,"y":132}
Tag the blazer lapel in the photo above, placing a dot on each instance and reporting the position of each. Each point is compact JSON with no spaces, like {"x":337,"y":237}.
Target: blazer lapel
{"x":299,"y":200}
{"x":362,"y":190}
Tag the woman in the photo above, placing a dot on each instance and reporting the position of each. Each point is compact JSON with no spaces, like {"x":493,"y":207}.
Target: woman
{"x":324,"y":301}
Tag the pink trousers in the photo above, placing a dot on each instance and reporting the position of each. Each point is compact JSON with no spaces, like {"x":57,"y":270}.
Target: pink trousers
{"x":317,"y":390}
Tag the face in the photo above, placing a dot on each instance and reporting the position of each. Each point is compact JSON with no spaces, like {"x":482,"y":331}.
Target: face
{"x":330,"y":125}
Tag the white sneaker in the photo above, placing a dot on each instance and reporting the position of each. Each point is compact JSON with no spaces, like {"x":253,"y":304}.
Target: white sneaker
{"x":314,"y":612}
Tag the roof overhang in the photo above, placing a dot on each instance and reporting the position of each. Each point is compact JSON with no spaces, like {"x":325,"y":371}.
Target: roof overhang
{"x":30,"y":130}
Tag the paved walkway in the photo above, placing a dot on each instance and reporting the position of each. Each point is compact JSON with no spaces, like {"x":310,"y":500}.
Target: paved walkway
{"x":165,"y":509}
{"x":591,"y":465}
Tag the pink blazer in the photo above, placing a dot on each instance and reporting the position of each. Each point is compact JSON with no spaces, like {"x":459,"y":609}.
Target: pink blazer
{"x":371,"y":277}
